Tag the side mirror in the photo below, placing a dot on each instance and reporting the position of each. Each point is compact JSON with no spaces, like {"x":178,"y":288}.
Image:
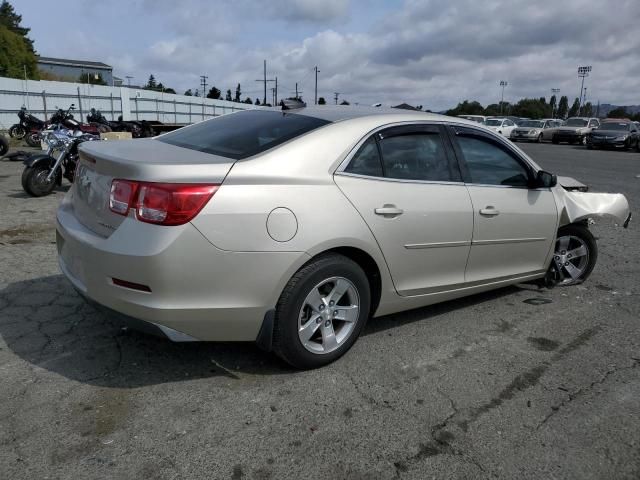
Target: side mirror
{"x":545,"y":180}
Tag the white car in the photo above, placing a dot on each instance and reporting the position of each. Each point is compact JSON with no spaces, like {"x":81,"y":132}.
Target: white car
{"x":503,"y":126}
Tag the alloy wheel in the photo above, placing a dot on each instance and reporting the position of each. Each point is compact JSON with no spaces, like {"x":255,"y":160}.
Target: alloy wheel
{"x":571,"y":257}
{"x":328,"y":315}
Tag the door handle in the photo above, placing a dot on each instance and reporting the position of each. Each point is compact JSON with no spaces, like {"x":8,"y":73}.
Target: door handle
{"x":388,"y":211}
{"x":489,"y":211}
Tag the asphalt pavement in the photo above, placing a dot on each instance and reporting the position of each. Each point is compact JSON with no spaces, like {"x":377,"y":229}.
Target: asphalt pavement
{"x":520,"y":382}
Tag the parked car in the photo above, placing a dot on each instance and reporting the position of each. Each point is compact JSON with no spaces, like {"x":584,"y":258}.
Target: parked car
{"x":291,"y":228}
{"x":615,"y":134}
{"x":474,"y":118}
{"x":535,"y":130}
{"x":575,"y":130}
{"x":503,"y":126}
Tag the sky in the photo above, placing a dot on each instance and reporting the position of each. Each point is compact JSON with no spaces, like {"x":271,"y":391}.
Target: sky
{"x":433,"y":53}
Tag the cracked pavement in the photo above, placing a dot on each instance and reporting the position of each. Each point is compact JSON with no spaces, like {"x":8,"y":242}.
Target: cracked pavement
{"x":515,"y":383}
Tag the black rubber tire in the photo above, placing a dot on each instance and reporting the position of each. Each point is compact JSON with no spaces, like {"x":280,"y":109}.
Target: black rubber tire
{"x":33,"y":139}
{"x":4,"y":145}
{"x":286,"y":343}
{"x":539,"y":139}
{"x":30,"y":182}
{"x":554,"y":140}
{"x":17,"y":131}
{"x":584,"y":234}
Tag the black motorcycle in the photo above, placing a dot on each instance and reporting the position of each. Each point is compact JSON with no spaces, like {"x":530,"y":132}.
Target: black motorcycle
{"x":44,"y":171}
{"x":138,"y":129}
{"x":4,"y":145}
{"x":28,"y":123}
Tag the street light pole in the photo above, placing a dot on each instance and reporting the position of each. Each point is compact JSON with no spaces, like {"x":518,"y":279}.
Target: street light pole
{"x":503,"y":84}
{"x":582,"y":72}
{"x":555,"y":92}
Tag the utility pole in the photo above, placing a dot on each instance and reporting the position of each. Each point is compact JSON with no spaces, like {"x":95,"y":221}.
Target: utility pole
{"x":203,"y":82}
{"x":129,"y":77}
{"x":503,"y":84}
{"x":335,"y":96}
{"x":275,"y":101}
{"x":555,"y":92}
{"x":316,"y":69}
{"x":298,"y":92}
{"x":583,"y":72}
{"x":264,"y":80}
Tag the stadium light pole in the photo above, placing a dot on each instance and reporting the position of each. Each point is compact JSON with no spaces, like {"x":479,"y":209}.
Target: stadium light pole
{"x":503,"y":84}
{"x":582,"y":73}
{"x":555,"y":92}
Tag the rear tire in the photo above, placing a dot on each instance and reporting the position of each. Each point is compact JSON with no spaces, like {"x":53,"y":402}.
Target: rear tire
{"x":34,"y":181}
{"x":340,"y":289}
{"x":575,"y":254}
{"x":554,"y":140}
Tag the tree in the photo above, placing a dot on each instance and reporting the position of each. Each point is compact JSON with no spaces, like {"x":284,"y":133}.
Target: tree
{"x":228,"y":97}
{"x":92,"y":78}
{"x":170,"y":90}
{"x":196,"y":93}
{"x":248,"y":101}
{"x":238,"y":94}
{"x":344,"y":102}
{"x":619,"y":112}
{"x":530,"y":108}
{"x":563,"y":107}
{"x":15,"y":56}
{"x":587,"y":110}
{"x":322,"y":101}
{"x":466,"y":108}
{"x":552,"y":104}
{"x":257,"y":101}
{"x":188,"y":93}
{"x":214,"y":93}
{"x":151,"y":83}
{"x":575,"y":108}
{"x":16,"y":48}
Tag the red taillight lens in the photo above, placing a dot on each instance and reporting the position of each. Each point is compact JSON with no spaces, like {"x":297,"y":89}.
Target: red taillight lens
{"x":160,"y":203}
{"x":122,"y":195}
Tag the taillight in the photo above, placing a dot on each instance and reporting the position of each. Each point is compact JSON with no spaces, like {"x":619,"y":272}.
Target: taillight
{"x":160,"y":203}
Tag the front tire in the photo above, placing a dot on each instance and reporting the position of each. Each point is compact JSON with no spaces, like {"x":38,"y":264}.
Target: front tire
{"x":33,"y":139}
{"x":539,"y":139}
{"x":575,"y":254}
{"x":17,"y":131}
{"x":34,"y":181}
{"x":4,"y":145}
{"x":321,"y":312}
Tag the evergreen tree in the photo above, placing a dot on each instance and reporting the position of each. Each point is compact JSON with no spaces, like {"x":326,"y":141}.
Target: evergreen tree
{"x":257,"y":101}
{"x":238,"y":94}
{"x":214,"y":93}
{"x":563,"y":107}
{"x":228,"y":97}
{"x":151,"y":83}
{"x":16,"y":48}
{"x":552,"y":105}
{"x":188,"y":93}
{"x":575,"y":108}
{"x":322,"y":101}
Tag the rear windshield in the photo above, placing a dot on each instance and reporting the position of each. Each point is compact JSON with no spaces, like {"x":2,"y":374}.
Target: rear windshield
{"x":243,"y":134}
{"x":615,"y":126}
{"x":493,"y":123}
{"x":576,"y":122}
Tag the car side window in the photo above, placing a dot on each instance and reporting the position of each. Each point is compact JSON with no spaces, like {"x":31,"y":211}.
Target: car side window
{"x":508,"y":123}
{"x":415,"y":156}
{"x":593,"y":123}
{"x":366,"y":161}
{"x":491,"y":164}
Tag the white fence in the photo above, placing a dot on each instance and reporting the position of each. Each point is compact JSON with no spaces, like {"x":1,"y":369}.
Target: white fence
{"x":43,"y":98}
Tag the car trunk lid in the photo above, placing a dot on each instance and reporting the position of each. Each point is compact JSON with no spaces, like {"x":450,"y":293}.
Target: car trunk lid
{"x":142,"y":159}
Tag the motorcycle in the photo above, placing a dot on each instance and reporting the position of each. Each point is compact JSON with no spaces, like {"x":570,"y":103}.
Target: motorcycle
{"x":138,"y":129}
{"x":44,"y":171}
{"x":28,"y":123}
{"x":4,"y":145}
{"x":60,"y":118}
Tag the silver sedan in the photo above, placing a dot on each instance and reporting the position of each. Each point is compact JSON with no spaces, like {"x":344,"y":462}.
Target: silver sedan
{"x":292,"y":228}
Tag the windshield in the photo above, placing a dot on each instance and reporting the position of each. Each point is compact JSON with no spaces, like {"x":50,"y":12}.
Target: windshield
{"x":493,"y":122}
{"x":532,"y":124}
{"x":243,"y":134}
{"x":615,"y":126}
{"x":576,"y":122}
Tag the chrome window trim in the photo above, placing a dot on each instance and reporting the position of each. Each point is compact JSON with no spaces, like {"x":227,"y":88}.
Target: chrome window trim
{"x":397,"y":180}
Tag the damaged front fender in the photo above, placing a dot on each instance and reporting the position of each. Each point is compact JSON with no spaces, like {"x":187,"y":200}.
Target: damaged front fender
{"x":575,"y":206}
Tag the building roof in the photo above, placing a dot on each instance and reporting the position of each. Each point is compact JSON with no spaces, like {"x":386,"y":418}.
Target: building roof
{"x":74,"y":63}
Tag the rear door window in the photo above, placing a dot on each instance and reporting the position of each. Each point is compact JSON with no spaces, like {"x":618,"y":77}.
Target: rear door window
{"x":243,"y":134}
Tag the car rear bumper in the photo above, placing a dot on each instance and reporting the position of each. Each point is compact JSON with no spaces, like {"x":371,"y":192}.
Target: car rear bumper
{"x":197,"y":291}
{"x":567,"y":137}
{"x":524,"y":136}
{"x":599,"y":142}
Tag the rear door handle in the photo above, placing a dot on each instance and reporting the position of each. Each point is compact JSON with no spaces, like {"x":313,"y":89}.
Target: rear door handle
{"x":489,"y":211}
{"x":389,"y":211}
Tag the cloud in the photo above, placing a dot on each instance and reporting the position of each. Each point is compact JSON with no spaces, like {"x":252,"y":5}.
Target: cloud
{"x":429,"y":52}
